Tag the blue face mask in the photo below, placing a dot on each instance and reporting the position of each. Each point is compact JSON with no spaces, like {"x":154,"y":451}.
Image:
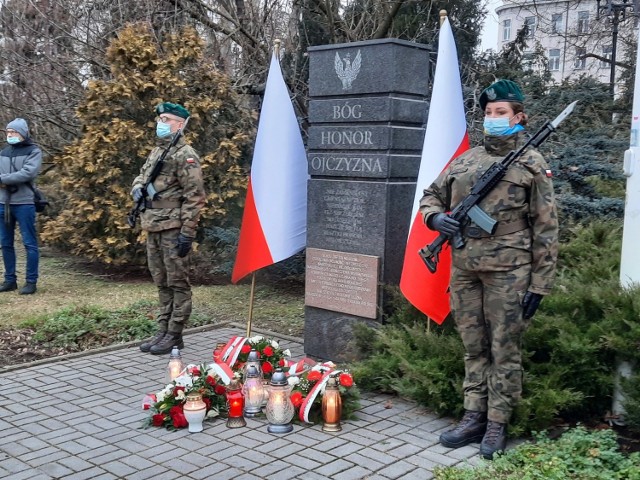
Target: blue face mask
{"x":13,"y":140}
{"x":500,"y":126}
{"x":163,"y":129}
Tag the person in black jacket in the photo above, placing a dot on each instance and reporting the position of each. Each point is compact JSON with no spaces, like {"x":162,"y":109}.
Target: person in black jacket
{"x":20,"y":163}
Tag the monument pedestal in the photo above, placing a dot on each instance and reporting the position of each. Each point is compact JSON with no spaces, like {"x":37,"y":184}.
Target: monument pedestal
{"x":367,"y":113}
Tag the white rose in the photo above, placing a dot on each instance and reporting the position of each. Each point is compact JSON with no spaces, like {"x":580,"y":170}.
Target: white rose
{"x":293,"y":380}
{"x":287,"y":353}
{"x":180,"y":395}
{"x":256,"y":339}
{"x":160,"y":397}
{"x":274,"y":344}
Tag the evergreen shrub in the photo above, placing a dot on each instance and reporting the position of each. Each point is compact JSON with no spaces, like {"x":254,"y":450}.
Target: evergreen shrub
{"x":569,"y":351}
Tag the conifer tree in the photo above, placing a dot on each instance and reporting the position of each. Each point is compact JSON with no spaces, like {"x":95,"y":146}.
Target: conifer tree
{"x":118,"y":132}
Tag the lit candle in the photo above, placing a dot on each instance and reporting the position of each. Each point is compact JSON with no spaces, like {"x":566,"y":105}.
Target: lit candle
{"x":331,"y":406}
{"x":253,"y":393}
{"x":175,"y":366}
{"x":235,"y":403}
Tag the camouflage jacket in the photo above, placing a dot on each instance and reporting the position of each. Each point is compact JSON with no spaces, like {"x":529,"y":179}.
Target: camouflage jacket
{"x":180,"y":190}
{"x":523,"y":197}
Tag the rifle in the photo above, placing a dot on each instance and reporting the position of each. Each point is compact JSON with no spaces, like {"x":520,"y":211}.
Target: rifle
{"x":468,"y":208}
{"x":148,"y":188}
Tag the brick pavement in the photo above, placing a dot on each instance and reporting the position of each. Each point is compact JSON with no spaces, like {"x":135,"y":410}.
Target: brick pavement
{"x":79,"y":417}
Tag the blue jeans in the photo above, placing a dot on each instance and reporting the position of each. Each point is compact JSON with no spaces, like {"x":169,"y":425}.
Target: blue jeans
{"x":25,"y":215}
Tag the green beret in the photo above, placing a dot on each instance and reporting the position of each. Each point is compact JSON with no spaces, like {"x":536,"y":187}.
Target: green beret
{"x":173,"y":109}
{"x":501,"y":91}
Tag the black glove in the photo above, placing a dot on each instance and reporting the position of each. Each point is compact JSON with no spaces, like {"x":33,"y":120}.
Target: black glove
{"x":136,"y":194}
{"x":530,"y":304}
{"x":443,"y":223}
{"x":183,"y":245}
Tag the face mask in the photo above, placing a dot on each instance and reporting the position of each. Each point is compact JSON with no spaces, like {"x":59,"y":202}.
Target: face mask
{"x":163,"y":129}
{"x":496,"y":126}
{"x":13,"y":140}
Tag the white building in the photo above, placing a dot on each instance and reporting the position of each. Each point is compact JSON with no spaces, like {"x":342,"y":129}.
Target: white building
{"x":574,"y":39}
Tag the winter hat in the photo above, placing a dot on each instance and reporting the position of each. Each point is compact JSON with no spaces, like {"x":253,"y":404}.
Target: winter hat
{"x":20,"y":126}
{"x":172,"y":109}
{"x":501,"y":91}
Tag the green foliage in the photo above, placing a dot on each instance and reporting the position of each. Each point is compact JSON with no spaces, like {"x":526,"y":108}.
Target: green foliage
{"x":569,"y":351}
{"x":631,"y":389}
{"x":79,"y":328}
{"x":96,"y":170}
{"x":577,"y":455}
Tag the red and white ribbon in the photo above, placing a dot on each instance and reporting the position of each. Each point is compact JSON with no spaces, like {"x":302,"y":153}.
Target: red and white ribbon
{"x":223,"y":371}
{"x":233,"y":356}
{"x":298,"y":368}
{"x":229,"y":348}
{"x":307,"y":403}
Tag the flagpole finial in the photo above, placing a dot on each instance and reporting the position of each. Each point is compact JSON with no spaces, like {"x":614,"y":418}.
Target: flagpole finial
{"x":443,"y":16}
{"x":276,"y":47}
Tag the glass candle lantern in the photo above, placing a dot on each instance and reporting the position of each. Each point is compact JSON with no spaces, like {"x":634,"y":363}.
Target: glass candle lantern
{"x":175,"y":366}
{"x":218,"y":352}
{"x":253,"y":360}
{"x":331,"y":406}
{"x":279,"y":408}
{"x":235,"y":403}
{"x":253,"y":393}
{"x":194,"y":411}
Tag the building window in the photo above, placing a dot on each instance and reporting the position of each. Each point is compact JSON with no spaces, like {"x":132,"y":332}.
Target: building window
{"x":583,"y":22}
{"x":554,"y":59}
{"x":580,"y":62}
{"x":556,"y":23}
{"x":528,"y":59}
{"x":506,"y":30}
{"x":607,"y":50}
{"x":530,"y":23}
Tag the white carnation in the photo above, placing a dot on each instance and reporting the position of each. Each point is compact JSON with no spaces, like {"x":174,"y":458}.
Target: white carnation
{"x":287,"y":353}
{"x":274,"y":344}
{"x":180,"y":395}
{"x":293,"y":380}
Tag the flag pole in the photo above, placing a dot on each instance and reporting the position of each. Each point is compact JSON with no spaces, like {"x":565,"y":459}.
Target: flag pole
{"x":251,"y":296}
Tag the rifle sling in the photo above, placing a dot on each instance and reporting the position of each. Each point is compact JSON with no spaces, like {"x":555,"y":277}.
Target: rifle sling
{"x":504,"y":228}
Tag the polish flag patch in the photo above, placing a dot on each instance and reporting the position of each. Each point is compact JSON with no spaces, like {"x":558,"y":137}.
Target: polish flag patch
{"x":191,"y":160}
{"x":548,"y":173}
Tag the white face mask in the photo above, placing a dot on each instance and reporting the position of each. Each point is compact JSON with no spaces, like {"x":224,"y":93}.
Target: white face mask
{"x":13,"y":140}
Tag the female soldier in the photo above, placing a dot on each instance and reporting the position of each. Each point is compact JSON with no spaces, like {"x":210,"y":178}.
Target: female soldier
{"x":497,"y":281}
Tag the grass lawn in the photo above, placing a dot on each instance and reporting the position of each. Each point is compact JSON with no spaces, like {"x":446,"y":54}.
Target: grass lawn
{"x":65,"y":282}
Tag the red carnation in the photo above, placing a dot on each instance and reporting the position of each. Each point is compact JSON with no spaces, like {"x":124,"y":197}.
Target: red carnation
{"x":176,"y":409}
{"x":207,"y":402}
{"x":219,"y":390}
{"x":346,"y":380}
{"x":157,"y":420}
{"x":179,"y":420}
{"x":296,"y":399}
{"x":314,"y":376}
{"x":211,"y":381}
{"x":281,"y":362}
{"x":268,"y":351}
{"x":176,"y":390}
{"x":195,"y":371}
{"x":246,"y":348}
{"x":267,"y":367}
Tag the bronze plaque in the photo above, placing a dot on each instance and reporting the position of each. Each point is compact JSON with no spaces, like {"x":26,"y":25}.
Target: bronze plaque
{"x":342,"y":282}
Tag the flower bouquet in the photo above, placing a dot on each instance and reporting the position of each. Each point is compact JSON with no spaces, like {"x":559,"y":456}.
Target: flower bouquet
{"x":308,"y":389}
{"x":167,"y":405}
{"x":236,"y":352}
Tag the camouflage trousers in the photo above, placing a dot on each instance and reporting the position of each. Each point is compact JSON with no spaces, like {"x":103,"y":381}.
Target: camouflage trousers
{"x":170,"y":273}
{"x":487,"y":310}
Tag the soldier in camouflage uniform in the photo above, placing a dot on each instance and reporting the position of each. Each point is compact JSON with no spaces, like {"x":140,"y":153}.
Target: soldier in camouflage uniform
{"x":171,"y":219}
{"x":497,"y":281}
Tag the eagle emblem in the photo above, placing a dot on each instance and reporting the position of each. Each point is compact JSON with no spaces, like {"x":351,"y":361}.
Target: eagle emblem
{"x":346,"y":70}
{"x":491,"y":94}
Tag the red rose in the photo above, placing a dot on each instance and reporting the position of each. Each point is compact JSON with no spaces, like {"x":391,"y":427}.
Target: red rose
{"x":296,"y":399}
{"x":246,"y":348}
{"x":219,"y":390}
{"x":314,"y":376}
{"x":157,"y":420}
{"x":211,"y":381}
{"x":195,"y":371}
{"x":175,"y":410}
{"x":346,"y":380}
{"x":268,"y":351}
{"x":281,"y":362}
{"x":267,"y":367}
{"x":207,"y":402}
{"x":179,"y":420}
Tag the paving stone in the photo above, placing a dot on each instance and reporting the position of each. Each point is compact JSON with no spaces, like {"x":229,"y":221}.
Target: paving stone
{"x":397,"y":469}
{"x":55,"y":470}
{"x":334,"y":467}
{"x":355,"y":473}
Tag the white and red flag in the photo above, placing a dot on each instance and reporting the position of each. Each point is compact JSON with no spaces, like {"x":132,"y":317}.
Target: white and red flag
{"x":445,"y":138}
{"x":274,"y":222}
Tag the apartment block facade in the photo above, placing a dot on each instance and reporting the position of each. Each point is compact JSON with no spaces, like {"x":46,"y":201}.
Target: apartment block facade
{"x":576,"y":40}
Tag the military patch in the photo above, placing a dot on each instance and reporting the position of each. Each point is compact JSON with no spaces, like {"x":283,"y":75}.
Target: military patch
{"x":491,"y":94}
{"x":191,"y":160}
{"x":548,"y":173}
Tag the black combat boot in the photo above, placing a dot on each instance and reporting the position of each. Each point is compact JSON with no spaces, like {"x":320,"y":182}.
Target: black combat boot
{"x":28,"y":289}
{"x":495,"y":440}
{"x":8,"y":286}
{"x":470,"y":429}
{"x":146,"y":346}
{"x":165,"y":345}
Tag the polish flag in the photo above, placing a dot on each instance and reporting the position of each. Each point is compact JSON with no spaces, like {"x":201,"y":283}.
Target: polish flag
{"x":274,"y":222}
{"x":446,"y":138}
